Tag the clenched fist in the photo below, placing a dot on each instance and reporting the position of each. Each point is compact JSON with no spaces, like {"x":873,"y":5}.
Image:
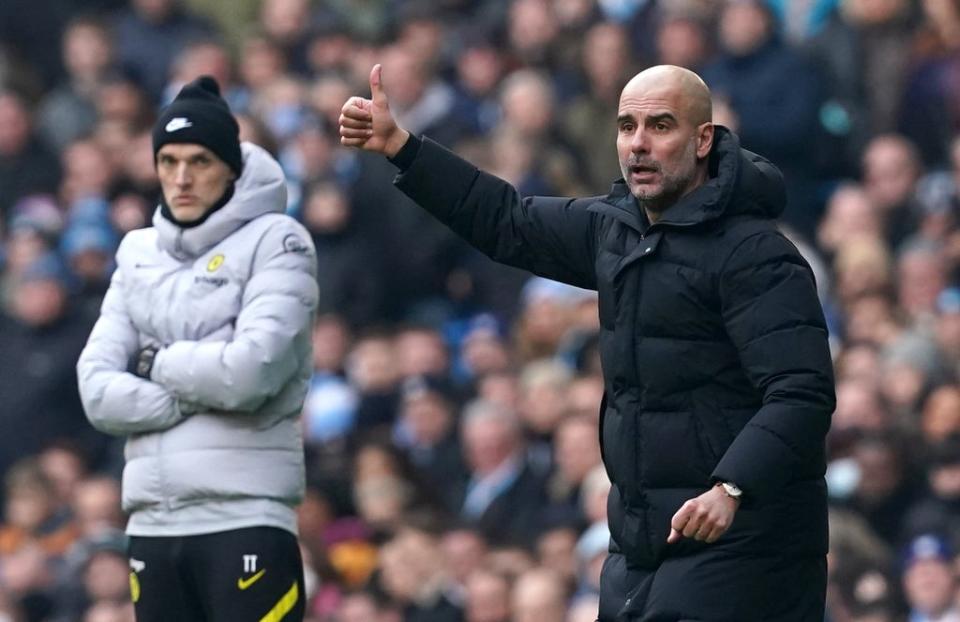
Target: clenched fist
{"x":368,"y":123}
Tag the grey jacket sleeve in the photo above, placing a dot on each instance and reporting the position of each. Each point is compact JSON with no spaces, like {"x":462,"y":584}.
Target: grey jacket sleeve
{"x":115,"y":401}
{"x":278,"y":304}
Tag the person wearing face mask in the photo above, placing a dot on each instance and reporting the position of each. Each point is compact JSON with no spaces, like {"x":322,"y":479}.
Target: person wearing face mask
{"x":717,"y":373}
{"x":201,"y":359}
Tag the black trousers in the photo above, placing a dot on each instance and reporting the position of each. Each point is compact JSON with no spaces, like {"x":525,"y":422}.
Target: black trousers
{"x":251,"y":574}
{"x":715,"y":586}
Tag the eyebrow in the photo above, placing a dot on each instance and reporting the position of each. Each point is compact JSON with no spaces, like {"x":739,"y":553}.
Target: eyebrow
{"x":654,"y":118}
{"x":663,"y":116}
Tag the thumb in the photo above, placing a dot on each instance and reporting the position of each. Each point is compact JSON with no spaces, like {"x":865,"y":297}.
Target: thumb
{"x":376,"y":86}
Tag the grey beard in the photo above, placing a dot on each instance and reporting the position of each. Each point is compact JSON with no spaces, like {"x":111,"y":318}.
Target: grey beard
{"x":661,"y":202}
{"x":653,"y":204}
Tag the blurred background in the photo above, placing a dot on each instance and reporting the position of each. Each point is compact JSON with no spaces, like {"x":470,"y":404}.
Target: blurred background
{"x":434,"y":366}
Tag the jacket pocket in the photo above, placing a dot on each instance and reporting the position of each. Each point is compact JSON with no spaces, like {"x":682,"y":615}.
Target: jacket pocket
{"x":672,"y":451}
{"x":715,"y":435}
{"x":629,"y":530}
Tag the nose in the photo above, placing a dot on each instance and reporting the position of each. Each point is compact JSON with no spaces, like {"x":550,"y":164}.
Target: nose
{"x":183,"y":177}
{"x":640,"y":143}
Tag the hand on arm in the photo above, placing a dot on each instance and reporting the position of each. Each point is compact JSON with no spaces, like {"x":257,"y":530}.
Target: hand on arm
{"x":368,"y":123}
{"x":141,"y":363}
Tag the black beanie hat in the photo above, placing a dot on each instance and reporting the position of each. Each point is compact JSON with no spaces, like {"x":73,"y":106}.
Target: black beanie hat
{"x":200,"y":116}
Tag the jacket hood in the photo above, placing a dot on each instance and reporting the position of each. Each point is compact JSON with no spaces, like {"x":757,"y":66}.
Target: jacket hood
{"x":740,"y":182}
{"x":260,"y":190}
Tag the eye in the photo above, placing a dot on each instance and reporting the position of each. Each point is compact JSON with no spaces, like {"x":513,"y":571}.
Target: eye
{"x":626,"y":128}
{"x":661,"y":126}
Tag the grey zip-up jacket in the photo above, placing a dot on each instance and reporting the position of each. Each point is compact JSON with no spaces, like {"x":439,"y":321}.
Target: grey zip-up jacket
{"x":213,"y":438}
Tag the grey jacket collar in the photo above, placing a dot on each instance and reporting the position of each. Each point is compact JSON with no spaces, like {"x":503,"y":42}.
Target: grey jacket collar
{"x":260,"y":190}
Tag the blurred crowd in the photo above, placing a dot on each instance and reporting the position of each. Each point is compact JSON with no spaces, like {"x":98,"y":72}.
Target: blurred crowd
{"x":451,"y":427}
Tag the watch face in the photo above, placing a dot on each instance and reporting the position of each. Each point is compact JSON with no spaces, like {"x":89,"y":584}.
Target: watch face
{"x":732,"y":489}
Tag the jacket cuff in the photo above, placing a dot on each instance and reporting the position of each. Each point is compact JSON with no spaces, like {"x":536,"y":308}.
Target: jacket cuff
{"x":407,"y":153}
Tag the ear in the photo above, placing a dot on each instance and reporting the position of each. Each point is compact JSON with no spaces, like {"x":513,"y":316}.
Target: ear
{"x":704,"y":139}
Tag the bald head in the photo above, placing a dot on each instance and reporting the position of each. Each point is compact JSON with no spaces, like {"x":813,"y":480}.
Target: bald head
{"x":681,"y":82}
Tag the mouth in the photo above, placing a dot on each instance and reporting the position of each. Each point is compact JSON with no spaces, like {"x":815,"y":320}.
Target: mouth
{"x":643,"y":172}
{"x":184,"y":200}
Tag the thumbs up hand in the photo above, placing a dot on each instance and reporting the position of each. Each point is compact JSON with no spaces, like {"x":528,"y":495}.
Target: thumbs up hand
{"x":368,"y":123}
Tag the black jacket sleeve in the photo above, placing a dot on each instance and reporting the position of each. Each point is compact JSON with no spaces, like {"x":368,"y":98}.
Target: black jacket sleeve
{"x":773,"y":316}
{"x":552,"y":237}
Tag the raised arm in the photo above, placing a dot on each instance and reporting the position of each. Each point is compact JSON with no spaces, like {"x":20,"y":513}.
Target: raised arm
{"x":552,"y":237}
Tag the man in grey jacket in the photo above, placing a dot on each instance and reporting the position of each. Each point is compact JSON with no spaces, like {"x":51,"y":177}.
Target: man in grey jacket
{"x":201,"y":358}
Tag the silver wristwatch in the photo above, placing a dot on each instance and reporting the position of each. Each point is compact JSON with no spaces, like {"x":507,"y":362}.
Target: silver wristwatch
{"x":731,"y":490}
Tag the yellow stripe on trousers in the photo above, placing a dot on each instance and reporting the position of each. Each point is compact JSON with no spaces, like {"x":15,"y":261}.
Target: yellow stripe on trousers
{"x":283,"y":606}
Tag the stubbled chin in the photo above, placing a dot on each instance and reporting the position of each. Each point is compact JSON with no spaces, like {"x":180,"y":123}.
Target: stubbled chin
{"x":645,"y":191}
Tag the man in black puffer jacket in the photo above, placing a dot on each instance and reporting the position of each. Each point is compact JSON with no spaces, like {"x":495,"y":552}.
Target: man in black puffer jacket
{"x":719,"y":385}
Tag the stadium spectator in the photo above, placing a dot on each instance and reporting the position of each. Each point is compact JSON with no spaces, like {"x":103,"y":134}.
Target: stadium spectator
{"x":149,"y":34}
{"x":350,"y":268}
{"x":891,"y":170}
{"x":41,"y":403}
{"x":487,"y":597}
{"x":413,"y":572}
{"x":936,"y":511}
{"x":539,"y":595}
{"x":862,"y":52}
{"x":576,"y":453}
{"x":772,"y":90}
{"x":426,"y":430}
{"x":69,"y":111}
{"x":606,"y":65}
{"x":27,"y":166}
{"x":929,"y":580}
{"x":684,"y":39}
{"x":504,"y":495}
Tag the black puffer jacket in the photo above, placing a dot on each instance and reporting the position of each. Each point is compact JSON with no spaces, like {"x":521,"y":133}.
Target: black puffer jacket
{"x":713,"y":343}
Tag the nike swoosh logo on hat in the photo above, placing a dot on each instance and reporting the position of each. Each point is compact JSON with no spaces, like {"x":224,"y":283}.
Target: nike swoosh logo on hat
{"x":243,"y":584}
{"x":178,"y":123}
